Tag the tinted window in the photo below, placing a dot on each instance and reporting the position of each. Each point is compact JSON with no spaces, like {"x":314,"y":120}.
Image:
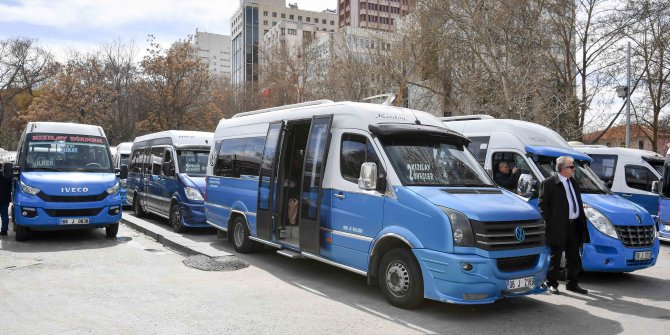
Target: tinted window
{"x":605,"y":167}
{"x":53,"y":152}
{"x":639,"y":177}
{"x":250,"y":162}
{"x":239,"y":156}
{"x":587,"y":180}
{"x":478,"y":147}
{"x":356,"y":150}
{"x":135,"y":162}
{"x":192,"y":162}
{"x":156,"y":160}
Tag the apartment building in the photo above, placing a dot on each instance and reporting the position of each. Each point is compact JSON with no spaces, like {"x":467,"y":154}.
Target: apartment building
{"x":214,"y":49}
{"x":372,"y":14}
{"x":253,"y":20}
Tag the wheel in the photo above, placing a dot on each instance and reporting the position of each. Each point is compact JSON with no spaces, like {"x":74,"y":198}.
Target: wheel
{"x":175,"y":219}
{"x":22,"y":233}
{"x":112,"y":230}
{"x":400,"y":279}
{"x":241,"y":240}
{"x":137,"y":207}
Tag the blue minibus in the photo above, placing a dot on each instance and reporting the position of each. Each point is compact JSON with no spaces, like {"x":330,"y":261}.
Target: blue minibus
{"x":121,"y":157}
{"x":664,"y":201}
{"x":64,"y":179}
{"x":166,"y":176}
{"x":623,"y":237}
{"x":385,"y":192}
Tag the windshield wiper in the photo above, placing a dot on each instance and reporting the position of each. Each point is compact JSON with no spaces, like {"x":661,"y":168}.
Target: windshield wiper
{"x":469,"y":185}
{"x":47,"y":169}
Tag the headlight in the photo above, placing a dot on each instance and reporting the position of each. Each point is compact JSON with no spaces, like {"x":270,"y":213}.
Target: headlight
{"x":114,"y":189}
{"x":600,"y":221}
{"x":29,"y":189}
{"x":461,"y":229}
{"x":192,"y":193}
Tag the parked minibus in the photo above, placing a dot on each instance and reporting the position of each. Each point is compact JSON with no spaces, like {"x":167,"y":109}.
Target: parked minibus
{"x":166,"y":176}
{"x":64,"y":179}
{"x":385,"y":192}
{"x":664,"y":201}
{"x":629,"y":173}
{"x":623,"y":237}
{"x":121,"y":157}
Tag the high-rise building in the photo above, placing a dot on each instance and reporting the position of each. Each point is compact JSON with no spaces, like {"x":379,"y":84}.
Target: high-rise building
{"x":253,"y":20}
{"x":214,"y":49}
{"x":373,"y":14}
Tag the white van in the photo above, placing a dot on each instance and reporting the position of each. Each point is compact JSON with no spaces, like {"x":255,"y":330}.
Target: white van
{"x":629,"y":173}
{"x":385,"y":192}
{"x":121,"y":157}
{"x":622,"y":233}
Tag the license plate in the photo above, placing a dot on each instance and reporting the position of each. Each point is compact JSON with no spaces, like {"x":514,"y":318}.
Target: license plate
{"x":642,"y":255}
{"x":518,"y":283}
{"x":74,"y":221}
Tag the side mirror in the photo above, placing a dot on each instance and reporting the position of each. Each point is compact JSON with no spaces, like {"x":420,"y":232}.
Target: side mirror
{"x":368,"y":178}
{"x":654,"y":186}
{"x":16,"y":170}
{"x":527,"y":186}
{"x":124,"y":172}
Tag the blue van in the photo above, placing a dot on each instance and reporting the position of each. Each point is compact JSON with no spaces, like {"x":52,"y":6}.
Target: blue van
{"x":64,"y":179}
{"x":623,"y":237}
{"x":664,"y":201}
{"x":166,"y":176}
{"x":121,"y":157}
{"x":385,"y":192}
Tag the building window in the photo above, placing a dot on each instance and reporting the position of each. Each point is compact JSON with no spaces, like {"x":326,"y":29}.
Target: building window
{"x":265,"y":13}
{"x":308,"y":19}
{"x":291,"y":17}
{"x":300,"y":18}
{"x":283,"y":31}
{"x":274,"y":23}
{"x":283,"y":16}
{"x":292,"y":31}
{"x":641,"y":144}
{"x":265,"y":22}
{"x":274,"y":14}
{"x":316,"y":20}
{"x":323,"y":21}
{"x":332,"y":22}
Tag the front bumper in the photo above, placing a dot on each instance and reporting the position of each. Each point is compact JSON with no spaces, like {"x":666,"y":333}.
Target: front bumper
{"x":48,"y":215}
{"x":445,"y":280}
{"x":606,"y":254}
{"x":193,"y":215}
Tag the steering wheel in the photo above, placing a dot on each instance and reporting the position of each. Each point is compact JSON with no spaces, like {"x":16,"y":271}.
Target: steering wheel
{"x":93,"y":165}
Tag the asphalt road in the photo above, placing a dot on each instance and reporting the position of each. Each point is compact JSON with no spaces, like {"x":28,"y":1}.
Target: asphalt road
{"x":74,"y":282}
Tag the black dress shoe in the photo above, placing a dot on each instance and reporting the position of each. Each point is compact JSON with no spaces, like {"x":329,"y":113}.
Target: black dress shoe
{"x":575,"y":288}
{"x":554,"y":290}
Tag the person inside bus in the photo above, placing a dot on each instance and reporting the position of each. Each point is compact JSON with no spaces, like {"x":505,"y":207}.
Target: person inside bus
{"x":5,"y":196}
{"x":506,"y":178}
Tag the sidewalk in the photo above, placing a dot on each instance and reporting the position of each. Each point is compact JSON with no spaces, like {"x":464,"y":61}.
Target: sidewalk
{"x":177,"y":242}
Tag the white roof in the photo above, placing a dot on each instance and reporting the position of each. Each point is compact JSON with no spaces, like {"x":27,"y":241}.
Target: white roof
{"x":528,"y":133}
{"x":64,"y":128}
{"x":181,"y":137}
{"x":124,"y":148}
{"x":351,"y":115}
{"x":604,"y":150}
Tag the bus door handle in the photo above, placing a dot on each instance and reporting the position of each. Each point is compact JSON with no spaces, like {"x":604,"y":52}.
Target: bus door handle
{"x":626,"y":194}
{"x":340,"y":195}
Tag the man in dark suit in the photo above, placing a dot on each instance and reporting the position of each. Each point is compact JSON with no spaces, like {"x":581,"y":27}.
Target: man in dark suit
{"x":5,"y":196}
{"x":562,"y":210}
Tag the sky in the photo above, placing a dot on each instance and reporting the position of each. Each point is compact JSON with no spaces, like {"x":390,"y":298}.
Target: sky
{"x":84,"y":25}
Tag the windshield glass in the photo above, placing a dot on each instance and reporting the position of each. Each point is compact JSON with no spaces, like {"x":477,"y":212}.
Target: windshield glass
{"x":193,"y":162}
{"x":433,"y":161}
{"x":585,"y":177}
{"x":52,"y":152}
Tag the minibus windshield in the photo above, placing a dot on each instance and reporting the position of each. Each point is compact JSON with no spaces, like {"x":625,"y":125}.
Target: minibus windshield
{"x":585,"y":177}
{"x":66,"y":153}
{"x":193,"y":162}
{"x":125,"y":159}
{"x":433,"y":161}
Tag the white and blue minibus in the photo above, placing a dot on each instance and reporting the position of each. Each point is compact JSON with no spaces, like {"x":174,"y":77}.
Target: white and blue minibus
{"x":166,"y":176}
{"x":64,"y":179}
{"x":385,"y":192}
{"x":629,"y":173}
{"x":623,"y":237}
{"x":121,"y":157}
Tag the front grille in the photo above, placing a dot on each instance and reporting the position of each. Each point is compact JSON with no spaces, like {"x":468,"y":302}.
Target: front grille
{"x":636,"y":236}
{"x":501,"y":235}
{"x":631,"y":262}
{"x":75,"y":198}
{"x":73,"y":212}
{"x":512,"y":264}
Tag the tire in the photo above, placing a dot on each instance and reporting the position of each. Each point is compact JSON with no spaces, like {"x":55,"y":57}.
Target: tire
{"x":240,"y":236}
{"x":175,"y":219}
{"x":112,"y":230}
{"x":22,"y":233}
{"x":137,"y":207}
{"x":400,"y":279}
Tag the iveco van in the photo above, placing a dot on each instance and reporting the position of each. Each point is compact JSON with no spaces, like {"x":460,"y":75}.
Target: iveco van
{"x":385,"y":192}
{"x":623,"y":237}
{"x":166,"y":176}
{"x":64,"y":179}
